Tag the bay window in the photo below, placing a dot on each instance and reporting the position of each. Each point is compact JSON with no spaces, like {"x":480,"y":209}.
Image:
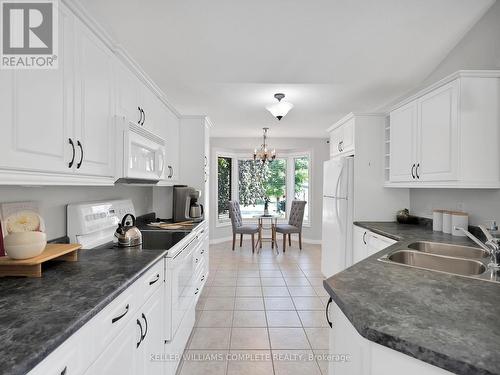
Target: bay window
{"x":253,"y":184}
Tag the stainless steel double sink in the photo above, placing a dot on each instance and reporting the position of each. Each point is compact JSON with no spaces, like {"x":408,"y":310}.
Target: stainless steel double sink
{"x":442,"y":257}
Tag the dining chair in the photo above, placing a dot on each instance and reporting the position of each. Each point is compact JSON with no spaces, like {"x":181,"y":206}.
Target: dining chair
{"x":239,"y":227}
{"x":294,"y":223}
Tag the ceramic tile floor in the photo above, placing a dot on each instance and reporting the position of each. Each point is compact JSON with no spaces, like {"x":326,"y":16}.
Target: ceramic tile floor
{"x":260,"y":314}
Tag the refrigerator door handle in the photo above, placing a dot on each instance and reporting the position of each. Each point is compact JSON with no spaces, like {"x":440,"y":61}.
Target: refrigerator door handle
{"x":338,"y":181}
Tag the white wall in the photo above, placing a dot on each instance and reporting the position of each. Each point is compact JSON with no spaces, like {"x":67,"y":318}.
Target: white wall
{"x":320,"y":152}
{"x":53,"y":200}
{"x":479,"y":49}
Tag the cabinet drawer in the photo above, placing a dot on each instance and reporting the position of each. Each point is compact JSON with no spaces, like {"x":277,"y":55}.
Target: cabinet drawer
{"x":114,"y":318}
{"x":73,"y":356}
{"x":150,"y":282}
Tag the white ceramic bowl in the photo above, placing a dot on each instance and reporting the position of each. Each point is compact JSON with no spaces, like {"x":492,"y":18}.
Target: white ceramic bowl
{"x":24,"y":245}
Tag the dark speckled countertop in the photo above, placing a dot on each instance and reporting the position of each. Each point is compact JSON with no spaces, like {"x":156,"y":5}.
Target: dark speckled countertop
{"x":37,"y":315}
{"x":448,"y":321}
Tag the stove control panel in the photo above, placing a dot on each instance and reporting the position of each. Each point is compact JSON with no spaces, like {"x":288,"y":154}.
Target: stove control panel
{"x":84,"y":219}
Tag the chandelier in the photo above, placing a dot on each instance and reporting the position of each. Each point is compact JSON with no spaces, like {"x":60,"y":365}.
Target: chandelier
{"x":280,"y":109}
{"x":263,"y":153}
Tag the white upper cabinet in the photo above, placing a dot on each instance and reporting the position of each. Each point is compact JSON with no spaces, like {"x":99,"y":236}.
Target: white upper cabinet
{"x":128,"y":94}
{"x":140,"y":104}
{"x":438,"y":134}
{"x":95,"y":96}
{"x":37,"y":113}
{"x":172,"y":139}
{"x":403,"y":151}
{"x":448,"y":135}
{"x":59,"y":126}
{"x":342,"y":137}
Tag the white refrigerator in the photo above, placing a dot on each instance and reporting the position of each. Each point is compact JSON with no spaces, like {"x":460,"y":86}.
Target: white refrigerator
{"x":337,"y":215}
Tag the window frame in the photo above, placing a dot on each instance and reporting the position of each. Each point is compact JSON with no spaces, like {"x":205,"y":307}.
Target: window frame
{"x":290,"y":157}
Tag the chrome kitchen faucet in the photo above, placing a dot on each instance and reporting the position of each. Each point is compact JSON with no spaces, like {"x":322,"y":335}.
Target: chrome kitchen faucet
{"x":492,"y":245}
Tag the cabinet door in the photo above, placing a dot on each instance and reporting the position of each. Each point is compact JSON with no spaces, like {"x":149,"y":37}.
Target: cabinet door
{"x":438,"y":134}
{"x":151,"y":358}
{"x":154,"y":116}
{"x":37,"y":112}
{"x":96,"y":112}
{"x":172,"y":138}
{"x":128,"y":93}
{"x":335,"y":138}
{"x":403,"y":123}
{"x":344,"y":339}
{"x":119,"y":356}
{"x":347,"y":141}
{"x":359,"y":248}
{"x":376,"y":243}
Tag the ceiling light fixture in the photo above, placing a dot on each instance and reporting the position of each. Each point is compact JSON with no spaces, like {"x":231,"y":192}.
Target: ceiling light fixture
{"x":280,"y":109}
{"x":263,"y":153}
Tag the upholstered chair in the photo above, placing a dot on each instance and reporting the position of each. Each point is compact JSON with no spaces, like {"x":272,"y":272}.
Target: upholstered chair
{"x":294,"y":224}
{"x":239,"y":227}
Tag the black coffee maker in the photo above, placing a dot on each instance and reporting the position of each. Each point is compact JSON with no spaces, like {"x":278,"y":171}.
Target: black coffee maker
{"x":186,"y":205}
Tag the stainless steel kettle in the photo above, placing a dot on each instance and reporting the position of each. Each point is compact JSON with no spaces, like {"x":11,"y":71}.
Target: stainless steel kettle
{"x":196,"y":210}
{"x":127,"y":233}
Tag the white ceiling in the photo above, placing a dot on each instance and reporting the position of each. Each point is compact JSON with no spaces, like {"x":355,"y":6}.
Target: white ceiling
{"x":226,"y":58}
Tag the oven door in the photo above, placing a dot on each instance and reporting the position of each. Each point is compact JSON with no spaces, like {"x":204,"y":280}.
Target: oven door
{"x":144,"y":155}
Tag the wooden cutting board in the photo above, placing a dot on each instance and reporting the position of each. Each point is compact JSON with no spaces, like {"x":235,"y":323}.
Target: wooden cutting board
{"x":173,"y":226}
{"x":32,"y":267}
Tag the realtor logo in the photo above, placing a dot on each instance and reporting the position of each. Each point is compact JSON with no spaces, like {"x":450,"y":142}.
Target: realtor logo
{"x":29,"y":34}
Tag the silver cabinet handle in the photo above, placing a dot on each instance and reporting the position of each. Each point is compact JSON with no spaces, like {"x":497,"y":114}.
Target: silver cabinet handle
{"x":364,"y":238}
{"x":416,"y":171}
{"x":413,"y":171}
{"x":171,"y":171}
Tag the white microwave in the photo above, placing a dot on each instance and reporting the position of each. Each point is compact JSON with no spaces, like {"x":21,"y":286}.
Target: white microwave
{"x":143,"y":159}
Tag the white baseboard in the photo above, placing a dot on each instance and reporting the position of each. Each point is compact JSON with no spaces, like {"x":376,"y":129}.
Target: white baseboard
{"x":215,"y":241}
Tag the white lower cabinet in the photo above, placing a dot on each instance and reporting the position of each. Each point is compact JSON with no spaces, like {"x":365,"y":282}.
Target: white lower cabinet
{"x":74,"y":356}
{"x":133,"y":335}
{"x":151,"y":354}
{"x":366,"y":243}
{"x":119,"y":358}
{"x":352,"y":354}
